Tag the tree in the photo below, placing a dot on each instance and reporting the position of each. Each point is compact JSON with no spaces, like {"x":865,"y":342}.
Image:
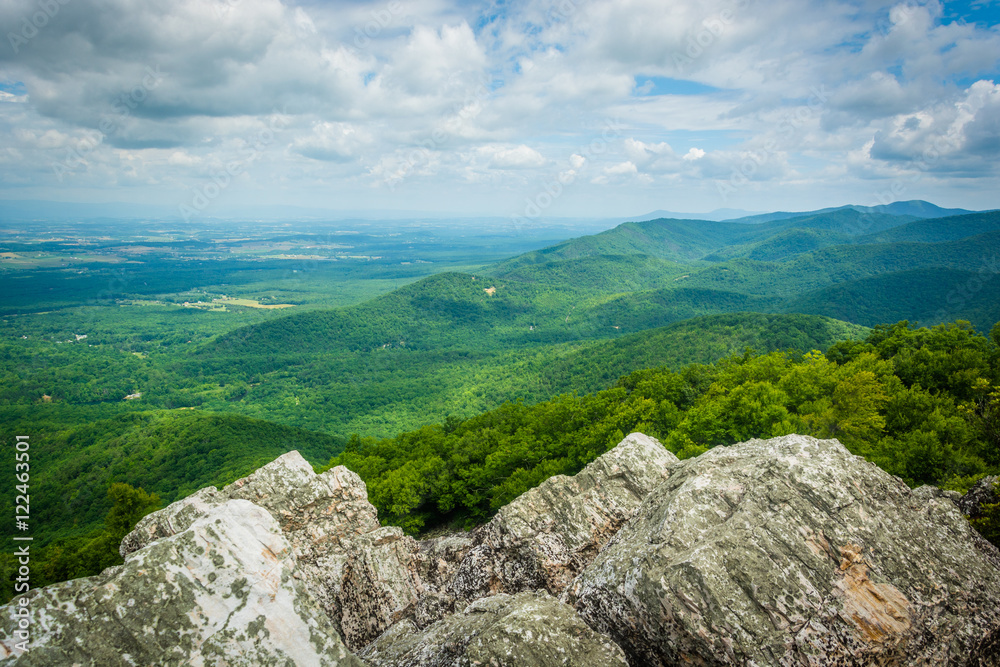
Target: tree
{"x":128,"y":506}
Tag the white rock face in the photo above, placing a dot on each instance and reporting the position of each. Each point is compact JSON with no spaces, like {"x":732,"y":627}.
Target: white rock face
{"x":220,"y":591}
{"x":361,"y":574}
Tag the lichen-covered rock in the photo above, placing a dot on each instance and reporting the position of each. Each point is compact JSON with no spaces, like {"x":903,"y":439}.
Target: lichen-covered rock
{"x":379,"y":582}
{"x":791,"y":551}
{"x":172,"y":519}
{"x":985,"y":492}
{"x":530,"y":629}
{"x":440,"y":558}
{"x":546,"y":536}
{"x":221,"y":591}
{"x":362,"y":575}
{"x":314,"y":511}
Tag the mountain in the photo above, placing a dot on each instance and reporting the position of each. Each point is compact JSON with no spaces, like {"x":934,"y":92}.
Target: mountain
{"x":458,"y":343}
{"x":699,"y":340}
{"x":717,"y":215}
{"x":687,"y":241}
{"x":937,"y":229}
{"x":922,"y":295}
{"x":916,"y":208}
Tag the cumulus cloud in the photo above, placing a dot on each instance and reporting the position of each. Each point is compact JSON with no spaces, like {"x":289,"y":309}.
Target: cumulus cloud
{"x":499,"y":96}
{"x":959,"y":136}
{"x":518,"y":157}
{"x":334,"y":142}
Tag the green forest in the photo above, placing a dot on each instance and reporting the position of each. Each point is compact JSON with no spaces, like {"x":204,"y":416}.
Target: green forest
{"x":923,"y":404}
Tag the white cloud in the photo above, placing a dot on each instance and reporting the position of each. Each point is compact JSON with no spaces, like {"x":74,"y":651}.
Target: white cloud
{"x":963,"y":135}
{"x":518,"y":157}
{"x":498,"y":97}
{"x":334,"y":142}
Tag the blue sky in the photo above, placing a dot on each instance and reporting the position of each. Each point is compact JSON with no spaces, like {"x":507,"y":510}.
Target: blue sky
{"x":520,"y":109}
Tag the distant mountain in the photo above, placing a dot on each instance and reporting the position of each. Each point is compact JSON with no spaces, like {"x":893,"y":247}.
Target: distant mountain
{"x":926,"y":295}
{"x":916,"y":208}
{"x":686,"y":241}
{"x":935,"y":230}
{"x":717,"y":215}
{"x":699,"y":340}
{"x":456,"y":343}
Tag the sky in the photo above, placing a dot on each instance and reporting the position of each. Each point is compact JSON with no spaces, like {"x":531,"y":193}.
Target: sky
{"x":523,"y":110}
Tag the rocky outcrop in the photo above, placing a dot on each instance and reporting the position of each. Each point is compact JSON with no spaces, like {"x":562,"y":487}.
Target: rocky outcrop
{"x":548,"y":535}
{"x":793,"y":551}
{"x":361,"y":574}
{"x":788,"y":551}
{"x":222,"y":590}
{"x":985,"y":492}
{"x":316,"y":512}
{"x":523,"y":630}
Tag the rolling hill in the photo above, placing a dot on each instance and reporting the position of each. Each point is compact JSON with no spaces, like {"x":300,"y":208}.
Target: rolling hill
{"x":461,"y":343}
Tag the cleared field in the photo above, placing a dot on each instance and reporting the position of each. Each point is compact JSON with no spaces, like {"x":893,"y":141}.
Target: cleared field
{"x":250,"y":303}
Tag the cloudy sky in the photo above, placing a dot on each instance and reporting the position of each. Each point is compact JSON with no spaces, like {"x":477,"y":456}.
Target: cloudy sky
{"x":550,"y":108}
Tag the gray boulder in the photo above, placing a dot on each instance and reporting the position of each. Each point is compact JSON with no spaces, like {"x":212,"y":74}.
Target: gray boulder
{"x":316,"y":512}
{"x":529,"y":629}
{"x":549,"y":534}
{"x":364,"y":576}
{"x":791,"y":551}
{"x":220,"y":591}
{"x":985,"y":492}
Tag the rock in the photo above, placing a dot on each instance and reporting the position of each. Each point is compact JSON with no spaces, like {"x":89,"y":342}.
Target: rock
{"x":793,"y":551}
{"x":379,"y":583}
{"x":985,"y":492}
{"x":549,"y":534}
{"x":172,"y":519}
{"x":525,"y":630}
{"x":315,"y":511}
{"x":437,"y":564}
{"x":364,"y":576}
{"x":927,"y":492}
{"x":220,"y":591}
{"x":440,"y":559}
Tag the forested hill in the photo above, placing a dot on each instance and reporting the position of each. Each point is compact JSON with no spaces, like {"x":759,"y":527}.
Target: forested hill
{"x":923,"y":404}
{"x":914,"y":207}
{"x":688,"y":241}
{"x":640,"y":275}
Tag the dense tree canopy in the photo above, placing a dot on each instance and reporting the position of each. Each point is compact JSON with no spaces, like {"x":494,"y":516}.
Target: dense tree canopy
{"x":921,"y":403}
